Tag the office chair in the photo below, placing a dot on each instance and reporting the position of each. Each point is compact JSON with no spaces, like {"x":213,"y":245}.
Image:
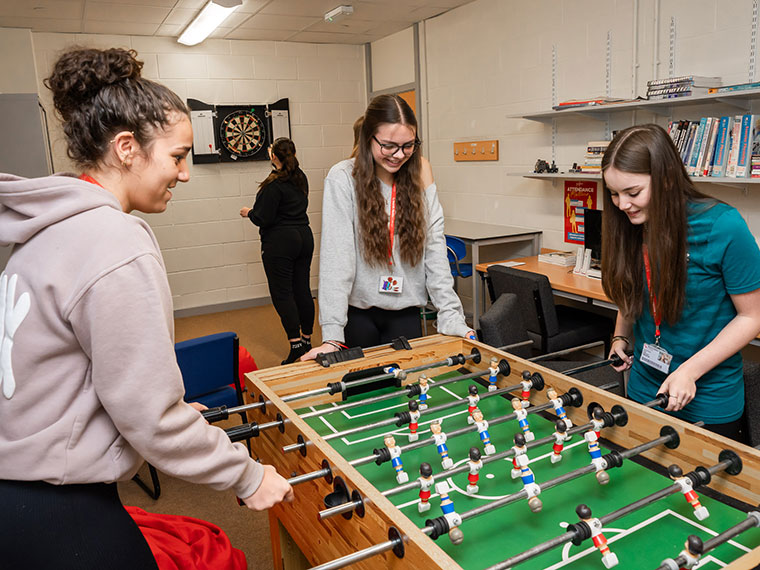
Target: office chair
{"x":457,"y":250}
{"x":550,"y":327}
{"x":209,"y":366}
{"x":502,"y":325}
{"x":752,"y":401}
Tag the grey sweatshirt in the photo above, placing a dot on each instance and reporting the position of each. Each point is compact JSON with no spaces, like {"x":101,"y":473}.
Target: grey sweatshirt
{"x":90,"y":384}
{"x":345,"y":278}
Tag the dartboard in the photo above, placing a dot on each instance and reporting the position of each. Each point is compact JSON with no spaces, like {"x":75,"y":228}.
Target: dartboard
{"x":242,"y":133}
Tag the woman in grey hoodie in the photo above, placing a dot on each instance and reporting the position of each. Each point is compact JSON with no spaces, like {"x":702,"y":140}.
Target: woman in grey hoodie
{"x":90,"y":384}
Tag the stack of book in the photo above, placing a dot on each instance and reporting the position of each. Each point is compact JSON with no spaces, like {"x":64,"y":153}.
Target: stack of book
{"x":684,"y":86}
{"x":563,"y":258}
{"x":592,"y":163}
{"x":719,"y":146}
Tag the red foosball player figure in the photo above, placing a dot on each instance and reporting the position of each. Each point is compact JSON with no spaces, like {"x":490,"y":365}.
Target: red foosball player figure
{"x":592,"y":438}
{"x":559,"y":409}
{"x":687,"y":488}
{"x":472,"y":401}
{"x":439,"y":438}
{"x":597,"y":421}
{"x":522,"y":419}
{"x":447,"y":506}
{"x":423,"y":381}
{"x":609,"y":559}
{"x":482,"y":425}
{"x":475,"y":464}
{"x":520,"y":449}
{"x":426,"y":483}
{"x":414,"y":418}
{"x":560,"y":437}
{"x":526,"y":384}
{"x":395,"y":450}
{"x":494,"y":371}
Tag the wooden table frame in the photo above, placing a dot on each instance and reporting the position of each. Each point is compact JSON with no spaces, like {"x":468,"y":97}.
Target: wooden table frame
{"x":336,"y":537}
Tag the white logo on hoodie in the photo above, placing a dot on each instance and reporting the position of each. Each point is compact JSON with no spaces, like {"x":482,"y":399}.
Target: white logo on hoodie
{"x":10,"y":318}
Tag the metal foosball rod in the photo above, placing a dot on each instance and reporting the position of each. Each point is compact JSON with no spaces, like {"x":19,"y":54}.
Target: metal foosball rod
{"x":752,"y":521}
{"x":395,"y":543}
{"x":578,"y":532}
{"x":222,"y":412}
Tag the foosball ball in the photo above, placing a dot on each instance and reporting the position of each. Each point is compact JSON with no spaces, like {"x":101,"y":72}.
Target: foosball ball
{"x":452,"y":454}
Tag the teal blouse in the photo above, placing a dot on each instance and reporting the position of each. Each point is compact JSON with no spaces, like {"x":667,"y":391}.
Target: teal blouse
{"x":723,"y":260}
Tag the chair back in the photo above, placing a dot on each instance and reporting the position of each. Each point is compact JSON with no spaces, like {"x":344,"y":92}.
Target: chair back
{"x":455,"y":248}
{"x":534,"y":294}
{"x":209,"y":364}
{"x":752,"y":401}
{"x":502,"y":325}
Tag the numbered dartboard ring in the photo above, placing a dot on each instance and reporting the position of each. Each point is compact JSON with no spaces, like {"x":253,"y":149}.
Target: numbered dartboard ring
{"x":242,"y":133}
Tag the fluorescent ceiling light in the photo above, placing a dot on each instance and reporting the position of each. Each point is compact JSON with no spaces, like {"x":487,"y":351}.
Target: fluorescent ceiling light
{"x":339,"y":12}
{"x":213,"y":14}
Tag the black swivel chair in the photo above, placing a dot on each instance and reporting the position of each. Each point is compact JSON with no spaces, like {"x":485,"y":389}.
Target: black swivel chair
{"x":752,"y":401}
{"x":502,"y":325}
{"x":551,"y":327}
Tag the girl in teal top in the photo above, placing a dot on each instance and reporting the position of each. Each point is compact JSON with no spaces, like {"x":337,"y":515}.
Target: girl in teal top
{"x":684,"y":270}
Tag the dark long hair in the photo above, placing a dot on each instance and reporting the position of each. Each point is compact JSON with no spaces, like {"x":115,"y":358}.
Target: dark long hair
{"x":648,"y":149}
{"x":285,"y":151}
{"x":99,"y":93}
{"x":410,"y":207}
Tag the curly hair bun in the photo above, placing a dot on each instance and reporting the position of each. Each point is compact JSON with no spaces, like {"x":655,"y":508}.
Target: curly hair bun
{"x":81,"y":73}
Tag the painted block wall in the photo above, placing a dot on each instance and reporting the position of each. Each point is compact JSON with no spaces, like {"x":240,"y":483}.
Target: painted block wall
{"x":212,"y":255}
{"x":492,"y":59}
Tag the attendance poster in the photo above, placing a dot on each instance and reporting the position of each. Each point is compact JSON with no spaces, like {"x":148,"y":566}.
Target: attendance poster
{"x":579,"y":195}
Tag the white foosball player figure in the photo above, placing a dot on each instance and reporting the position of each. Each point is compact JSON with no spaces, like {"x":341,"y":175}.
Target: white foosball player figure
{"x":592,"y":438}
{"x":395,"y":451}
{"x":522,"y":419}
{"x":426,"y":483}
{"x":439,"y":438}
{"x":451,"y":516}
{"x":529,"y":483}
{"x":475,"y":464}
{"x":559,"y":409}
{"x":687,"y":488}
{"x":424,"y":387}
{"x":493,"y":376}
{"x":609,"y":559}
{"x":482,"y":426}
{"x":520,"y":449}
{"x":472,"y":402}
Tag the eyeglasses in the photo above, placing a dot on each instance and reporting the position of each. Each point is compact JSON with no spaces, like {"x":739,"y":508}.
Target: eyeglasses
{"x":389,"y":149}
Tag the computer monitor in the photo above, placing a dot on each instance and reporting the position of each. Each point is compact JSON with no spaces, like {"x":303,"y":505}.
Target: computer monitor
{"x":592,"y":230}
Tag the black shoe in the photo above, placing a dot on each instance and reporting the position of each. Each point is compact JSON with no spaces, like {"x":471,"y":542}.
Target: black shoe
{"x":297,"y":350}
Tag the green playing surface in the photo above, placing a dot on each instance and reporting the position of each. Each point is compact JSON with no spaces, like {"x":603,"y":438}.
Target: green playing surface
{"x":640,"y":540}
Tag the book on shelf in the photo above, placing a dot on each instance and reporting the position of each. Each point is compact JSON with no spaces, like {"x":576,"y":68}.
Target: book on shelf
{"x":699,"y":148}
{"x":743,"y":157}
{"x":722,"y":145}
{"x":685,"y":89}
{"x":707,"y":162}
{"x":689,"y":144}
{"x":699,"y":80}
{"x":673,"y":95}
{"x":737,"y":87}
{"x":733,"y":152}
{"x":563,"y":258}
{"x":575,"y":103}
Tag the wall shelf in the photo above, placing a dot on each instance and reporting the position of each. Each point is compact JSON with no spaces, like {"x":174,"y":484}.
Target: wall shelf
{"x":726,"y":180}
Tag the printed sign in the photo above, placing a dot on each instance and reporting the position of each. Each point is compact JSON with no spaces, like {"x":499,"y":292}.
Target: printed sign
{"x":579,"y":195}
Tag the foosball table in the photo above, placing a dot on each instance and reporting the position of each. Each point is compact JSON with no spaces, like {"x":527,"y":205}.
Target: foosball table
{"x":452,"y":454}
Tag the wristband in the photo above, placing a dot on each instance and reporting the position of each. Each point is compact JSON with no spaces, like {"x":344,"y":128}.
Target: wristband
{"x":620,"y":337}
{"x":336,"y":344}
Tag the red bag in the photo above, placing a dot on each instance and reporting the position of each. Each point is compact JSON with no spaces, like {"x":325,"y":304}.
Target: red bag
{"x":246,"y":363}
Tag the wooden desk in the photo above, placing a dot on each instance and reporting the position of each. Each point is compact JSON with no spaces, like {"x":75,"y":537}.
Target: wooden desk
{"x":476,"y":235}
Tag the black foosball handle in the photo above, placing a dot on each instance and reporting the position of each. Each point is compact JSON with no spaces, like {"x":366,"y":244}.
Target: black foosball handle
{"x":325,"y":359}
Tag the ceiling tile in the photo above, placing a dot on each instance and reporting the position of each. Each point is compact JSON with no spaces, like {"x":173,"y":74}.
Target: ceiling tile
{"x":42,"y":24}
{"x":345,"y":26}
{"x":65,"y":10}
{"x":267,"y":22}
{"x":310,"y":8}
{"x":128,"y":28}
{"x":254,"y":34}
{"x":125,"y":13}
{"x":328,"y":38}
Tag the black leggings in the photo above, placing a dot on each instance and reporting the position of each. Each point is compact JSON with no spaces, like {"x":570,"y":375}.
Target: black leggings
{"x":68,"y":527}
{"x":286,"y":253}
{"x":373,"y":326}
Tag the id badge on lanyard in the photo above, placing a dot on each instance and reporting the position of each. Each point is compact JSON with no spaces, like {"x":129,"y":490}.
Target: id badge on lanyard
{"x":390,"y":283}
{"x":653,"y":354}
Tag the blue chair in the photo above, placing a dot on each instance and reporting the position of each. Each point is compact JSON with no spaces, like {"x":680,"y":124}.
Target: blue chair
{"x":209,"y":364}
{"x":457,"y":250}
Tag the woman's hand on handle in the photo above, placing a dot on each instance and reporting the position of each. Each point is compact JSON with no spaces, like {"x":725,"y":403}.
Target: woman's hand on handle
{"x":618,"y":348}
{"x":325,"y":348}
{"x":273,"y":489}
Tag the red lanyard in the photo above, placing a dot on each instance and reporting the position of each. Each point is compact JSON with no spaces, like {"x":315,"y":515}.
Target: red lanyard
{"x":392,"y":224}
{"x":90,"y":179}
{"x":652,"y":296}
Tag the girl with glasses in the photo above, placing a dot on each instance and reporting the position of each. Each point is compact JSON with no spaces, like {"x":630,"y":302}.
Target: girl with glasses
{"x":684,"y":271}
{"x":383,"y":251}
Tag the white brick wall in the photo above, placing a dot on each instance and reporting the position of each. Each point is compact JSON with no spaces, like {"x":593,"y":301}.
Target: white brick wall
{"x":501,"y":64}
{"x":212,"y":255}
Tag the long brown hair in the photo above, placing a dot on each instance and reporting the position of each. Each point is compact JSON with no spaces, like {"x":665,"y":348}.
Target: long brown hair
{"x":648,"y":149}
{"x":410,"y":208}
{"x":285,"y":151}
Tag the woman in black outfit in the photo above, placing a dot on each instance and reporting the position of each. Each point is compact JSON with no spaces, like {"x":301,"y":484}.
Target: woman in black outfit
{"x":287,"y":244}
